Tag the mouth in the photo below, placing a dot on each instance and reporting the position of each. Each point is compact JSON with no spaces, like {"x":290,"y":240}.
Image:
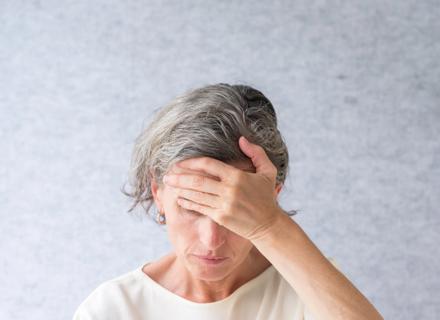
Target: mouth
{"x":211,"y":259}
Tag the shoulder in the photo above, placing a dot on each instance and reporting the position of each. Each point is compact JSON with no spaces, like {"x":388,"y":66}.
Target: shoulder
{"x":105,"y":299}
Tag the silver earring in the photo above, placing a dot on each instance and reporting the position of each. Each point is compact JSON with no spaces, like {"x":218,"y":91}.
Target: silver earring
{"x":160,"y":217}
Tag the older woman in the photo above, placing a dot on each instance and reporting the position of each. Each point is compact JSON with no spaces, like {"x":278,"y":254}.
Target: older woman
{"x":213,"y":162}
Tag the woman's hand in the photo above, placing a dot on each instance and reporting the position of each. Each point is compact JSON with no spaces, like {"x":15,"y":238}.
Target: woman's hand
{"x":242,"y":202}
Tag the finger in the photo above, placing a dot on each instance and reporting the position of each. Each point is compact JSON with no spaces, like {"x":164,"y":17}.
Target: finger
{"x":190,"y":205}
{"x":195,"y":182}
{"x":202,"y":198}
{"x":177,"y":169}
{"x":210,"y":166}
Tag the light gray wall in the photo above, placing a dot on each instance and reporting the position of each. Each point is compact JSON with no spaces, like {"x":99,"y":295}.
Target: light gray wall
{"x":356,"y":87}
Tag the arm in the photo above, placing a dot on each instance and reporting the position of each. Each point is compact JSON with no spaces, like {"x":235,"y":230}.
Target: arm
{"x":326,"y":292}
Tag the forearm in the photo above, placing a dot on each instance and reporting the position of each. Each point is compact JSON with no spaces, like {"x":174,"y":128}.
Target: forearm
{"x":325,"y":291}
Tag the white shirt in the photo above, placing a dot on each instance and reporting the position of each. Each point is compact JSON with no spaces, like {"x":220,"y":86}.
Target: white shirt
{"x":135,"y":296}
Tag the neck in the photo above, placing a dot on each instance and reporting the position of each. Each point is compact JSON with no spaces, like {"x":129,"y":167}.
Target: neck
{"x":204,"y":290}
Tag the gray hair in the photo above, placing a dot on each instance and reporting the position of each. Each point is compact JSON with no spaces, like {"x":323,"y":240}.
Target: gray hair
{"x":206,"y":121}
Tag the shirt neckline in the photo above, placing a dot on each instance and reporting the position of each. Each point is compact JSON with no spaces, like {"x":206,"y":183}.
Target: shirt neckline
{"x":251,"y":283}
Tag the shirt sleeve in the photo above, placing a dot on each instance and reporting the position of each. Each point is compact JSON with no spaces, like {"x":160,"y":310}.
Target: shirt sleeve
{"x":95,"y":306}
{"x":307,"y":314}
{"x":81,"y":314}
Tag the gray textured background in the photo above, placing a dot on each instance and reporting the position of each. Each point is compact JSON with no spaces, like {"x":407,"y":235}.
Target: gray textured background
{"x":356,"y":87}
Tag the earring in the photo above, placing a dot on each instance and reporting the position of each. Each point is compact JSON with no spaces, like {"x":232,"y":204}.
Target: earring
{"x":160,"y":217}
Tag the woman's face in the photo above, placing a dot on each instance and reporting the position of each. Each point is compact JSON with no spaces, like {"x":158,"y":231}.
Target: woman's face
{"x":193,"y":234}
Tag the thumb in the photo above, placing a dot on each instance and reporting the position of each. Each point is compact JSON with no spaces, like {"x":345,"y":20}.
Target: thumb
{"x":257,"y":154}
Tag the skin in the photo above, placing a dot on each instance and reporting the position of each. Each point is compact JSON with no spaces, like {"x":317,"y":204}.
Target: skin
{"x":193,"y":233}
{"x":237,"y":207}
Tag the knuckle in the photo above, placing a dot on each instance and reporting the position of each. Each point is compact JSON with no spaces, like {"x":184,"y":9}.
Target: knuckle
{"x":234,"y":194}
{"x":197,"y":196}
{"x":219,"y":217}
{"x":235,"y":177}
{"x":227,"y":207}
{"x":230,"y":193}
{"x":189,"y":205}
{"x":198,"y":181}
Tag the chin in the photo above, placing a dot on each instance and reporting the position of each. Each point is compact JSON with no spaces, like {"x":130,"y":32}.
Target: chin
{"x":209,"y":275}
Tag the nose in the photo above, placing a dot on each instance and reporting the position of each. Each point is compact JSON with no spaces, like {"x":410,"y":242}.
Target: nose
{"x":212,"y":235}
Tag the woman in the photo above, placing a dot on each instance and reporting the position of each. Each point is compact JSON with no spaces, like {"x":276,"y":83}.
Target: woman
{"x":237,"y":254}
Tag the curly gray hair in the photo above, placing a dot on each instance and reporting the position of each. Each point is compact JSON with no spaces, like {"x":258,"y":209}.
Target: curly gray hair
{"x":206,"y":121}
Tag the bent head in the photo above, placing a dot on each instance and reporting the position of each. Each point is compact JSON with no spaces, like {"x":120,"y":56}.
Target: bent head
{"x":203,"y":122}
{"x":194,"y":235}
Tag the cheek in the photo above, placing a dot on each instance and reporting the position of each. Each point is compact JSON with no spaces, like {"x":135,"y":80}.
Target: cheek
{"x":239,"y":245}
{"x":181,"y":232}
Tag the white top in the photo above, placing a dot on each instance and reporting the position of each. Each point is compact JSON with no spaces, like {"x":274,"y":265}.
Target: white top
{"x":135,"y":296}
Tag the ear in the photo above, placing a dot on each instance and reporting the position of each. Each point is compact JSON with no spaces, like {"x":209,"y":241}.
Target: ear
{"x":156,"y":191}
{"x":278,"y":188}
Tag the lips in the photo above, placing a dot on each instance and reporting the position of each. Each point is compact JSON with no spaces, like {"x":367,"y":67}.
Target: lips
{"x":211,"y":257}
{"x":211,"y":260}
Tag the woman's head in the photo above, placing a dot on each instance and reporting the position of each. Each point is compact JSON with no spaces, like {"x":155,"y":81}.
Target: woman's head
{"x":206,"y":121}
{"x":193,"y":234}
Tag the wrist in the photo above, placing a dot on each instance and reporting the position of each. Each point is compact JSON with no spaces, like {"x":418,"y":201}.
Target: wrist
{"x":273,"y":229}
